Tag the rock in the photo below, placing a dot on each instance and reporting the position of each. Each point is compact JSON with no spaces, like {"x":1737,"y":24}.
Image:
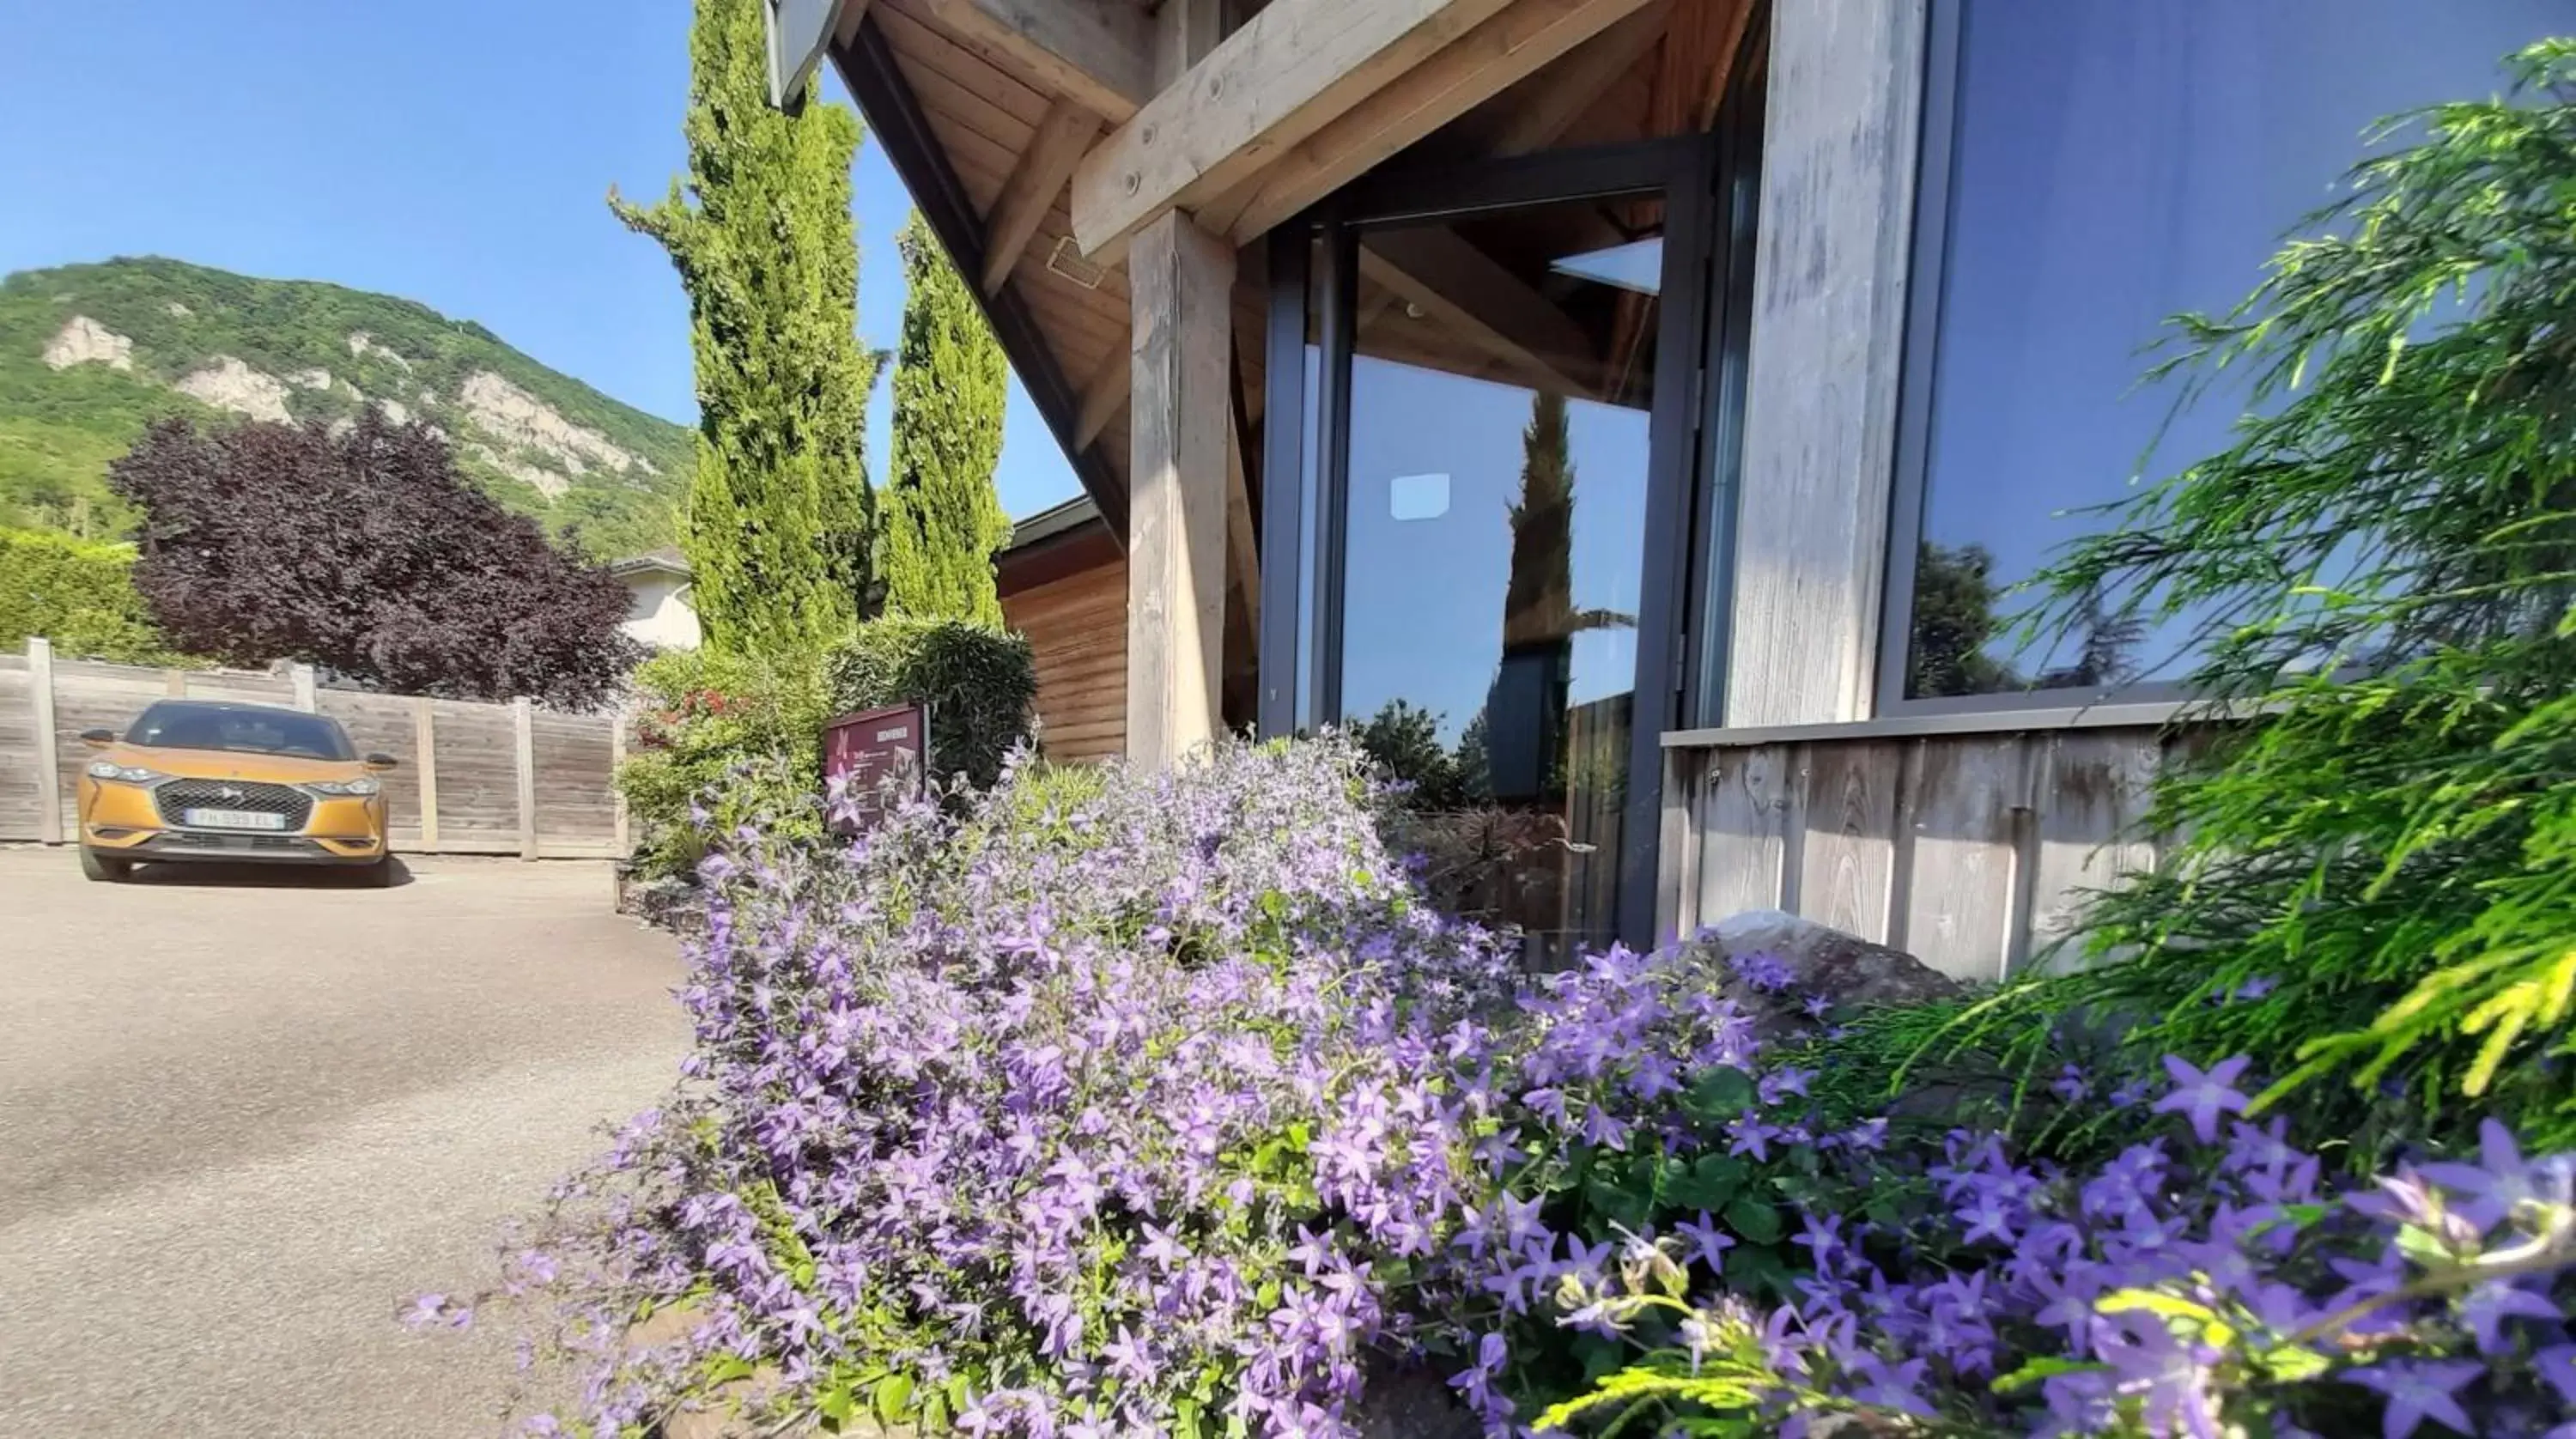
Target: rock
{"x":669,"y":903}
{"x":84,"y":341}
{"x":362,"y":344}
{"x":520,"y":420}
{"x":394,"y":410}
{"x":179,"y":311}
{"x":1847,"y":970}
{"x":313,"y":379}
{"x":544,"y":481}
{"x":228,"y":384}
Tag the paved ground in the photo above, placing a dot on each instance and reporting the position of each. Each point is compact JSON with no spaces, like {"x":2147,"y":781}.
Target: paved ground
{"x":245,"y":1115}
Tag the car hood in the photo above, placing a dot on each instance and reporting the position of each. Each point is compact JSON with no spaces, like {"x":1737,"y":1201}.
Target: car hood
{"x":228,"y":764}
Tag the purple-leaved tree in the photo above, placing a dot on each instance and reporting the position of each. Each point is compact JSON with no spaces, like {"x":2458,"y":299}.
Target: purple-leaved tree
{"x":367,"y":553}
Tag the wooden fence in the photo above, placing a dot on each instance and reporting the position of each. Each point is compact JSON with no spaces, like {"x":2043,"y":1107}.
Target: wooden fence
{"x":1971,"y":851}
{"x":470,"y":778}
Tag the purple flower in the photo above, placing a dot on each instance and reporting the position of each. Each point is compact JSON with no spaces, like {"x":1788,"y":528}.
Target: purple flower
{"x":2418,"y":1390}
{"x":1749,"y":1135}
{"x":2203,"y":1096}
{"x":2487,"y":1306}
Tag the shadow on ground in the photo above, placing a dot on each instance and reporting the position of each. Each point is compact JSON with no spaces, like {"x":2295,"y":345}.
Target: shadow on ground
{"x":197,"y":873}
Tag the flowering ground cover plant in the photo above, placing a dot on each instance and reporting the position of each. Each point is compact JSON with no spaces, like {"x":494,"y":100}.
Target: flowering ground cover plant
{"x":1126,"y":1105}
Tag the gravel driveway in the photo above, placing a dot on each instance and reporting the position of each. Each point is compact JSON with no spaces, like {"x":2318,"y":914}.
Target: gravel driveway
{"x":245,"y":1114}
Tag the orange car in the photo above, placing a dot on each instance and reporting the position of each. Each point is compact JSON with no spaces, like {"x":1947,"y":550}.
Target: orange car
{"x":198,"y":779}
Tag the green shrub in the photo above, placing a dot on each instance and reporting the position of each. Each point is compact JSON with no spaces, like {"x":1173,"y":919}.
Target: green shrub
{"x":981,"y":686}
{"x":77,"y":593}
{"x":740,"y":734}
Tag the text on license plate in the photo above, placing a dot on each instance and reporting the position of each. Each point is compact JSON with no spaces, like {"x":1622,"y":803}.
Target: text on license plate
{"x":231,"y":819}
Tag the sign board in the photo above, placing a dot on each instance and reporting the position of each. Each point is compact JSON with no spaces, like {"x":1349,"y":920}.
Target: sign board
{"x":798,"y":32}
{"x":881,"y":756}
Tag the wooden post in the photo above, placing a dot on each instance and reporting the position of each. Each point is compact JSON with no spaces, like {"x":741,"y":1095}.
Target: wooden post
{"x":617,"y":835}
{"x":1838,"y":164}
{"x":49,"y":768}
{"x":302,"y":677}
{"x":1180,"y":284}
{"x":175,"y":683}
{"x":523,"y":725}
{"x":424,"y":744}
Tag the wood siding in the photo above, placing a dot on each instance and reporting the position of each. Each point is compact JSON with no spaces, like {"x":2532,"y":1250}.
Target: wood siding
{"x":1971,"y":852}
{"x":1077,"y":626}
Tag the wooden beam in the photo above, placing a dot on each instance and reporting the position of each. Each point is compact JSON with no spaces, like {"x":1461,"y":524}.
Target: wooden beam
{"x":846,"y":29}
{"x":1487,"y":61}
{"x":1063,"y":134}
{"x":1566,"y":93}
{"x":898,"y":124}
{"x":1181,"y":282}
{"x":1104,"y":393}
{"x":1700,"y":47}
{"x":1097,"y":53}
{"x":1470,"y":294}
{"x":1291,"y":70}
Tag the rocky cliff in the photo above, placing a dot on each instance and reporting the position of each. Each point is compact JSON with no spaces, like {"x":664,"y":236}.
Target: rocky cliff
{"x":90,"y":353}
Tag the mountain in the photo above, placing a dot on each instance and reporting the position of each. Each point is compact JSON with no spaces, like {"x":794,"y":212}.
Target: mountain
{"x":90,"y":353}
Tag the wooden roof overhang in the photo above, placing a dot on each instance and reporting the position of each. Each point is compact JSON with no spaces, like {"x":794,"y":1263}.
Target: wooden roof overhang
{"x":1023,"y":126}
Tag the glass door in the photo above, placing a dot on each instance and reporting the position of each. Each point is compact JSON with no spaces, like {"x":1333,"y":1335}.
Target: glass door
{"x":1495,"y":481}
{"x":1495,"y":546}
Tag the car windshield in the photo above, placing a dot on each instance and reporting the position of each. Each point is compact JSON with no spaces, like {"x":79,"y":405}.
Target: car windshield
{"x":241,"y":730}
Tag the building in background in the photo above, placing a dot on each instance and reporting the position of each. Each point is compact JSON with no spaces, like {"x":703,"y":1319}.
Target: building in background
{"x":1063,"y":580}
{"x":658,"y":611}
{"x":1644,"y":406}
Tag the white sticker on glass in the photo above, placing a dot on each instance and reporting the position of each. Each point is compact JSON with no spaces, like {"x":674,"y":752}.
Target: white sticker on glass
{"x":1417,"y":497}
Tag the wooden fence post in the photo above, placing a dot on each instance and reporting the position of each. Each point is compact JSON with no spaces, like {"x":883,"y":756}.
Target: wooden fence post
{"x":424,"y":744}
{"x":175,"y":682}
{"x":617,"y":836}
{"x":523,"y":723}
{"x":49,"y":773}
{"x":302,"y":678}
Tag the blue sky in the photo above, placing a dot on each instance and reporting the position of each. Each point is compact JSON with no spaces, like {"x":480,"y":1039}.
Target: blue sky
{"x":456,"y":154}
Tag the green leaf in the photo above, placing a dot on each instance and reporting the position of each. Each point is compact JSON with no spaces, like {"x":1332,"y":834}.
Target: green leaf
{"x":2291,"y":1364}
{"x":1753,"y":1220}
{"x":836,"y":1404}
{"x":2123,"y":1301}
{"x":1721,"y":1093}
{"x":894,"y":1396}
{"x":2038,"y":1369}
{"x":1708,"y":1184}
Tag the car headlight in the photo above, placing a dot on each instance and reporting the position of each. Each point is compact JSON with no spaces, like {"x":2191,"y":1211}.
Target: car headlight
{"x":365,"y":784}
{"x":130,"y":773}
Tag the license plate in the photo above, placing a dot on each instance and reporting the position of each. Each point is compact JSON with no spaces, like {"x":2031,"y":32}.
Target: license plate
{"x":231,"y":819}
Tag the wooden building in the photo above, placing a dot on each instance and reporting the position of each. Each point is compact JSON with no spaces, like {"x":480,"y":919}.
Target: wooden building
{"x":1064,"y":585}
{"x":1642,"y":406}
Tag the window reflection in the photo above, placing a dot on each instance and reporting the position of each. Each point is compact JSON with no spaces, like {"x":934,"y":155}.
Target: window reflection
{"x":1497,"y":482}
{"x":2113,"y":164}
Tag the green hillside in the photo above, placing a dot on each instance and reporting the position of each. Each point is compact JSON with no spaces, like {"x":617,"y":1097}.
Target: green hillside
{"x":89,"y":353}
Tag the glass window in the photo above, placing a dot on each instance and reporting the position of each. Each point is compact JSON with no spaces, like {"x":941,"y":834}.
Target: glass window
{"x":2113,"y":163}
{"x":1500,"y":388}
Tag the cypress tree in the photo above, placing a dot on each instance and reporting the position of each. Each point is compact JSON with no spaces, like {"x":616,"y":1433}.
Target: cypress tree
{"x":942,"y":519}
{"x":780,"y":528}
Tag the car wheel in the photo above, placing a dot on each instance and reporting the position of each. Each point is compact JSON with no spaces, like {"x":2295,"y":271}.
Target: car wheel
{"x":99,"y":867}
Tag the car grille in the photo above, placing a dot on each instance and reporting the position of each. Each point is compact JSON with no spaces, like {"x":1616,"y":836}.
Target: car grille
{"x":177,"y":797}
